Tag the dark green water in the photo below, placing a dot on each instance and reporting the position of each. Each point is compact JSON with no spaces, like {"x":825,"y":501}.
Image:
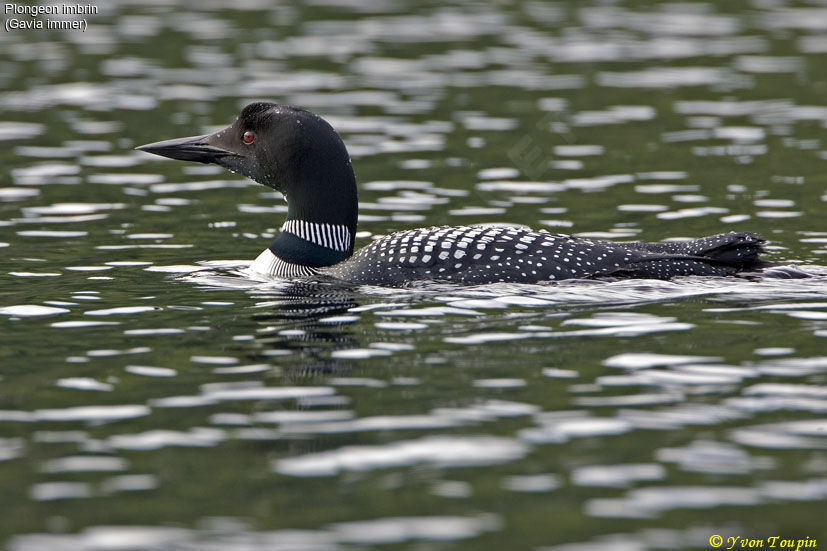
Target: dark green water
{"x":154,"y":396}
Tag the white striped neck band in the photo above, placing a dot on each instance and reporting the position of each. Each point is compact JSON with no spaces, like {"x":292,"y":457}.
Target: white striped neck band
{"x":332,"y":236}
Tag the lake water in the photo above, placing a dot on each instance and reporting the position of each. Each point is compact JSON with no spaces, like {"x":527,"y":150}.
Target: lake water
{"x":154,"y":396}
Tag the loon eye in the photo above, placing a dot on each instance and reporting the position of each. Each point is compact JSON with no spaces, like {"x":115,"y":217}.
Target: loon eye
{"x":249,"y":137}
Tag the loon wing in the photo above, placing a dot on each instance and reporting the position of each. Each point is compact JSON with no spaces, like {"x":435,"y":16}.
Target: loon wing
{"x":721,"y":254}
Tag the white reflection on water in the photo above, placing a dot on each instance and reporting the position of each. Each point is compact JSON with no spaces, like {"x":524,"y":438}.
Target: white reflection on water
{"x":84,"y":383}
{"x":157,"y":439}
{"x":440,"y":451}
{"x":105,"y":538}
{"x":645,"y":360}
{"x":10,"y":130}
{"x":808,"y":434}
{"x":377,"y":423}
{"x":397,"y":530}
{"x":75,"y":324}
{"x":121,"y":310}
{"x":11,"y":448}
{"x":358,"y":353}
{"x":52,"y":233}
{"x":652,"y":501}
{"x":687,"y":414}
{"x":617,"y":114}
{"x":344,"y":421}
{"x":84,"y":463}
{"x":28,"y":310}
{"x":150,"y":371}
{"x":63,"y":209}
{"x":776,"y":396}
{"x":255,"y":390}
{"x":32,"y":274}
{"x":617,"y":475}
{"x":50,"y":491}
{"x":222,"y":534}
{"x":559,"y":427}
{"x":17,"y":193}
{"x":707,"y":456}
{"x":531,"y":483}
{"x":91,"y":413}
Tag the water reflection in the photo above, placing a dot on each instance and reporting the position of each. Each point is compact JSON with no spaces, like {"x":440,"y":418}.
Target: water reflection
{"x":310,"y":319}
{"x":221,"y":533}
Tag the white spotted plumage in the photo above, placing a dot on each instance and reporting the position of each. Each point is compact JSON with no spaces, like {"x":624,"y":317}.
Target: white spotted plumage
{"x":516,"y":254}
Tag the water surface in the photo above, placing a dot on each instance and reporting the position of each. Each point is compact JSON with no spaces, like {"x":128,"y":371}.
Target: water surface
{"x":153,"y":395}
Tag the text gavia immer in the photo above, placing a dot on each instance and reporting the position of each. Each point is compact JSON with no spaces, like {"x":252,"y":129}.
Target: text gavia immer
{"x":299,"y":154}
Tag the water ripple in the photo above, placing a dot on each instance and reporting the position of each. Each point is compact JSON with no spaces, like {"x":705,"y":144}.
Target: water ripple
{"x":440,"y":451}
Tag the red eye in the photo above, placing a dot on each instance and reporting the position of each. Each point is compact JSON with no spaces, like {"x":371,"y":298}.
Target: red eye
{"x":249,"y":137}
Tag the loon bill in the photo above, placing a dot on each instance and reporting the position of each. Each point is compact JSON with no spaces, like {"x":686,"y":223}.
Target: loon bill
{"x":299,"y":154}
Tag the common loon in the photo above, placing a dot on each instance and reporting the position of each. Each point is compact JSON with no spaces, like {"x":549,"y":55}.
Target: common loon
{"x":299,"y":154}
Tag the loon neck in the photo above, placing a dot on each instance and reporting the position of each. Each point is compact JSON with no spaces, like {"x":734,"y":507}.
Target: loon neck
{"x":322,"y":211}
{"x":315,"y":174}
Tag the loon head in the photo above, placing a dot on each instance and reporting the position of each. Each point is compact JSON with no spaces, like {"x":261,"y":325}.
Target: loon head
{"x":286,"y":148}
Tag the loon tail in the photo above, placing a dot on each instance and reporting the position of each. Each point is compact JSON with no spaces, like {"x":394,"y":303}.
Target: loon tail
{"x":721,"y":254}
